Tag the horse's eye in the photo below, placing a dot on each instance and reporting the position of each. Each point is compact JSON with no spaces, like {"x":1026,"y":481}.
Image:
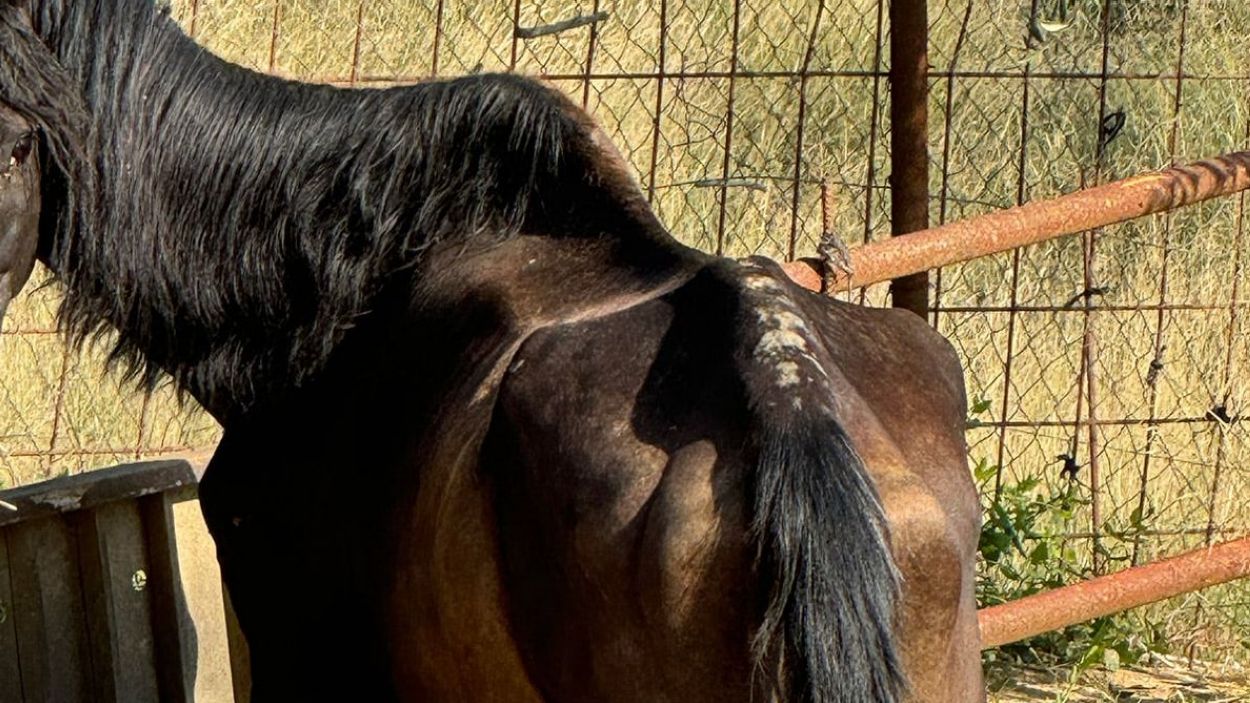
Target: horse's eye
{"x":21,"y":150}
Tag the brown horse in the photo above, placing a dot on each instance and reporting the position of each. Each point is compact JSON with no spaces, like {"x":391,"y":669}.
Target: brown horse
{"x":491,"y":434}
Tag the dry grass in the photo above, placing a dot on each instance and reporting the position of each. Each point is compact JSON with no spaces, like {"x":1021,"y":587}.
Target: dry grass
{"x":1163,"y":680}
{"x":98,"y":424}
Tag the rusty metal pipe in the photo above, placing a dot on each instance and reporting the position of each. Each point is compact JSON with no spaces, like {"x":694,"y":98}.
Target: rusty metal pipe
{"x":1105,"y":595}
{"x":1035,"y":222}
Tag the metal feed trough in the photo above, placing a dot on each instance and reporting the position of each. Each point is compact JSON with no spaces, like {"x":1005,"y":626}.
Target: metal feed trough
{"x":93,"y":603}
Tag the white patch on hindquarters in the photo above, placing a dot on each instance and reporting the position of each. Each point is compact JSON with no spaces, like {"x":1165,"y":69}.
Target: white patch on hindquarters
{"x":780,"y":342}
{"x":788,"y":349}
{"x":777,"y":314}
{"x":785,"y":334}
{"x":785,"y":340}
{"x":789,"y":374}
{"x":760,"y":282}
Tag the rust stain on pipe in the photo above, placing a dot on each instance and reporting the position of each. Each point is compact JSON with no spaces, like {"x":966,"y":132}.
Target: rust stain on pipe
{"x":1035,"y":222}
{"x":1130,"y":588}
{"x":805,"y":272}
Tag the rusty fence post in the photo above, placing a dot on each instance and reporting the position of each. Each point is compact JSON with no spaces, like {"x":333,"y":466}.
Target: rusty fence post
{"x":909,"y":138}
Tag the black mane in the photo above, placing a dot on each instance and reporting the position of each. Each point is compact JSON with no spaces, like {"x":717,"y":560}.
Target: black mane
{"x":242,"y":222}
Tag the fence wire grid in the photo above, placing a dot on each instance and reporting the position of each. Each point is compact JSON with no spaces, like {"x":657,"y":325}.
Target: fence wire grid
{"x":1117,"y":360}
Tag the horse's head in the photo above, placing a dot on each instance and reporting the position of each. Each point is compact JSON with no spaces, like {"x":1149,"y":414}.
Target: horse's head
{"x":19,"y":204}
{"x":43,"y":150}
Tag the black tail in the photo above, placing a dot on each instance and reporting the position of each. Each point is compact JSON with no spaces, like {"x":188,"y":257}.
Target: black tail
{"x":820,"y":530}
{"x":822,"y":545}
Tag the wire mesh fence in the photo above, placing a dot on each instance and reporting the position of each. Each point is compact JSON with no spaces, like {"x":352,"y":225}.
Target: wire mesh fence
{"x":1112,"y":367}
{"x":1116,"y":360}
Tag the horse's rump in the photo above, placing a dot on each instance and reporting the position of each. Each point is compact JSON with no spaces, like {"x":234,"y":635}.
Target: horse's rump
{"x":680,"y":515}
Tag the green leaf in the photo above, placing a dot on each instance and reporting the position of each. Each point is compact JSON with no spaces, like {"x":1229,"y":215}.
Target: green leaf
{"x":1093,"y":655}
{"x":984,"y":471}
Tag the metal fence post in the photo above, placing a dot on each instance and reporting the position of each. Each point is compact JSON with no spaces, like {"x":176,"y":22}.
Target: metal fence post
{"x":909,"y":124}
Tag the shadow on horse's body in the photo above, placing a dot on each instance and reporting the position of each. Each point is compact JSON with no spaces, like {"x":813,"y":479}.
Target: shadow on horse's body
{"x":491,"y":434}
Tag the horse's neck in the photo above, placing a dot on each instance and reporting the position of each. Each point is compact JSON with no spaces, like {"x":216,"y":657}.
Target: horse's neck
{"x":165,"y":254}
{"x":244,"y":220}
{"x":143,"y":78}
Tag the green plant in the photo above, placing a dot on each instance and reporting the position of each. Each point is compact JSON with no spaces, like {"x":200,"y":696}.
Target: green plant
{"x":1026,"y":547}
